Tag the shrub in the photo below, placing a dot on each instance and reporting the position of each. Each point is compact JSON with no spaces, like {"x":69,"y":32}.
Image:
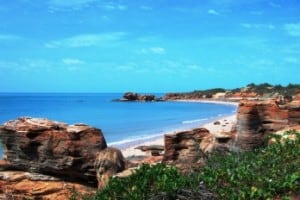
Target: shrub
{"x":260,"y":174}
{"x":266,"y":173}
{"x":146,"y":182}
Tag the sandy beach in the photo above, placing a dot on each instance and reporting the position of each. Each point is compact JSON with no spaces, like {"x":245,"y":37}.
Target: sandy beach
{"x":226,"y":123}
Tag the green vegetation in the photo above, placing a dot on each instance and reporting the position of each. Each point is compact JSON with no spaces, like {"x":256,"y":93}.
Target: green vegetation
{"x":147,"y":182}
{"x":266,"y":88}
{"x":260,"y":174}
{"x":263,"y":90}
{"x":266,"y":173}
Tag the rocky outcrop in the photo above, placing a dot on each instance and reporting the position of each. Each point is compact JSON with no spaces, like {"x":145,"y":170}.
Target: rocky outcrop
{"x":46,"y":159}
{"x":131,"y":96}
{"x":187,"y":149}
{"x":109,"y":162}
{"x":284,"y":136}
{"x":256,"y":119}
{"x":20,"y":185}
{"x":53,"y":148}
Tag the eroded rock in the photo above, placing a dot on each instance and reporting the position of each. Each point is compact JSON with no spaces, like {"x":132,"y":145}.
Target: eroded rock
{"x":53,"y":148}
{"x":108,"y":162}
{"x":187,"y":149}
{"x":19,"y":185}
{"x":256,"y":119}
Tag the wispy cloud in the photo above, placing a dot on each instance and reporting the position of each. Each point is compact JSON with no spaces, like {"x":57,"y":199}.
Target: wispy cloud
{"x":69,"y":4}
{"x":158,"y":50}
{"x":213,"y":12}
{"x":256,"y":26}
{"x":293,"y":29}
{"x":87,"y":40}
{"x":152,"y":50}
{"x":60,"y":5}
{"x":72,"y":61}
{"x":27,"y":64}
{"x":9,"y":37}
{"x":113,"y":6}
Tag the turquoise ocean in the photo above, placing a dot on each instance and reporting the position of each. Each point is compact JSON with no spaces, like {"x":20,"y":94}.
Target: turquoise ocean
{"x":120,"y":122}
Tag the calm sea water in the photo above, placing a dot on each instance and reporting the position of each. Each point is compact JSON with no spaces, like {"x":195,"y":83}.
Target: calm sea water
{"x":119,"y":121}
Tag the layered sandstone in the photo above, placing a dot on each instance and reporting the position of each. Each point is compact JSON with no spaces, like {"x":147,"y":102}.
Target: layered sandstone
{"x":187,"y":149}
{"x":20,"y":185}
{"x":53,"y":148}
{"x":256,"y":119}
{"x":46,"y":159}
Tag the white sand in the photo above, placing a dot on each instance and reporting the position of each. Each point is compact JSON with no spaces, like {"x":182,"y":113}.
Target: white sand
{"x":226,"y":124}
{"x":209,"y":101}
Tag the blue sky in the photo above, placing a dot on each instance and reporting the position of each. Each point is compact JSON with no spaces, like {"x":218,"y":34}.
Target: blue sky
{"x":147,"y":45}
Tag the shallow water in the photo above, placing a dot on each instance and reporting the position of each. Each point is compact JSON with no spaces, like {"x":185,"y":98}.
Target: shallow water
{"x":119,"y":121}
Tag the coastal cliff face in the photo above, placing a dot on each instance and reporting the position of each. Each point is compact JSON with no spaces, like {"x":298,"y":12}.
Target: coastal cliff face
{"x":46,"y":159}
{"x":54,"y":148}
{"x":257,"y":119}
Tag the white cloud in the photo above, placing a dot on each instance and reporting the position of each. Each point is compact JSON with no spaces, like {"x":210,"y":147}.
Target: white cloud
{"x":60,"y":5}
{"x":113,"y":6}
{"x":152,"y":50}
{"x":72,"y":61}
{"x":293,"y":29}
{"x":213,"y":12}
{"x":9,"y":37}
{"x":87,"y":40}
{"x":69,"y":4}
{"x":158,"y":50}
{"x":256,"y":26}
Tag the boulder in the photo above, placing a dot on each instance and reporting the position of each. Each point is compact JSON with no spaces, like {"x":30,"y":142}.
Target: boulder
{"x":20,"y":185}
{"x":187,"y":149}
{"x":51,"y":148}
{"x":109,"y":162}
{"x":149,"y":97}
{"x":130,"y":96}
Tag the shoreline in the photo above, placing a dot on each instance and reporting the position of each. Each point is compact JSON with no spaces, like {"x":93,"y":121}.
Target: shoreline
{"x":226,"y":123}
{"x":234,"y":103}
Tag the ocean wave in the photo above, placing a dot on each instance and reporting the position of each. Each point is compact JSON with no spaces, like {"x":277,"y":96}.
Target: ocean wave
{"x":194,"y":121}
{"x":135,"y":140}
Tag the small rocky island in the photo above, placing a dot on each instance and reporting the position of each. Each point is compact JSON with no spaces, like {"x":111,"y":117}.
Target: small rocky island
{"x":131,"y":96}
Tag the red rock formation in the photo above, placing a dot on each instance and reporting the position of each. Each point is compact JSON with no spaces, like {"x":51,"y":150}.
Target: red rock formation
{"x":256,"y":119}
{"x":130,"y":96}
{"x":19,"y":185}
{"x":186,"y":149}
{"x":53,"y":148}
{"x":108,"y":162}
